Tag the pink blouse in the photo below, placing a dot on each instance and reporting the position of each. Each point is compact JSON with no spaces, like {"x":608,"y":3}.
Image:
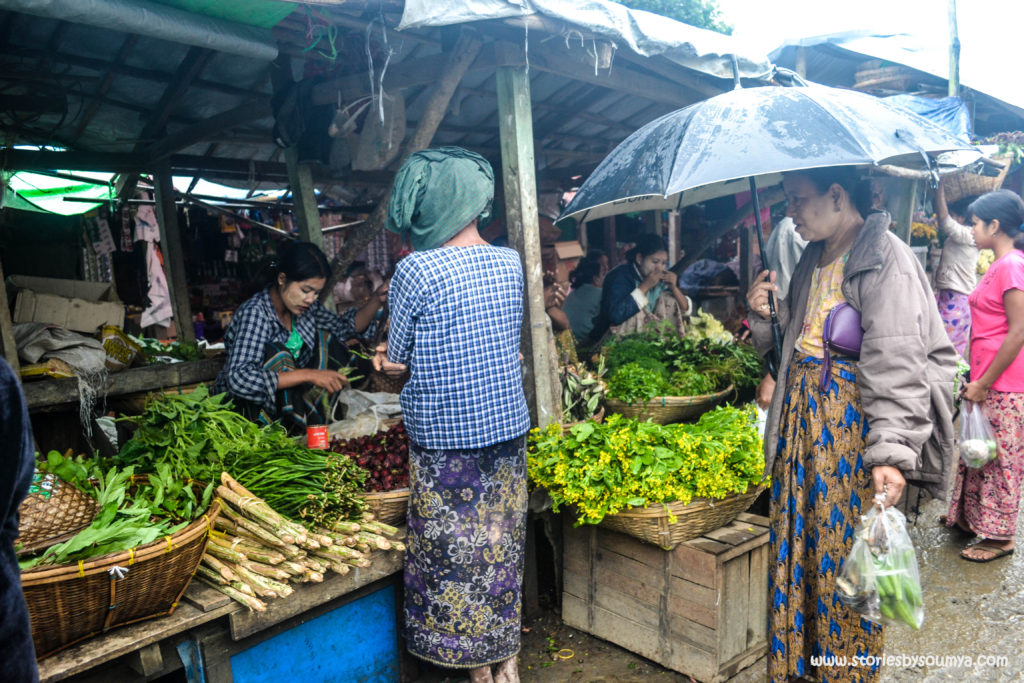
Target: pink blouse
{"x":989,"y":323}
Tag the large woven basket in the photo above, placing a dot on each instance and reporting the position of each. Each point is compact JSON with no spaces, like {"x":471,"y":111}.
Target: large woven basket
{"x":697,"y":517}
{"x":71,"y":602}
{"x":668,"y":409}
{"x":390,"y":507}
{"x":52,"y":512}
{"x":964,"y":184}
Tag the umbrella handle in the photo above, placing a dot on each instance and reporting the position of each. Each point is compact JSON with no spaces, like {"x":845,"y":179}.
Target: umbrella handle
{"x":775,"y":357}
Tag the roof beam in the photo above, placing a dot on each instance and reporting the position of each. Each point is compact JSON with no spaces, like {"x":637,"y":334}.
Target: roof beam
{"x":249,"y":111}
{"x":108,"y":79}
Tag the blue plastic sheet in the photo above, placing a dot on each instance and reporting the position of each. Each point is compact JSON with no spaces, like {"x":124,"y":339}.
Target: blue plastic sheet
{"x":949,"y":112}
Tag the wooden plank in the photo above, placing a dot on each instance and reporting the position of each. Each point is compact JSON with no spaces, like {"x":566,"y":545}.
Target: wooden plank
{"x":620,"y":543}
{"x":174,"y":254}
{"x":731,"y":535}
{"x":515,"y":127}
{"x":147,"y":660}
{"x":300,"y":177}
{"x":55,"y":392}
{"x":744,"y":548}
{"x":119,"y":642}
{"x":753,"y":520}
{"x":757,"y":597}
{"x":574,"y":612}
{"x":576,"y":585}
{"x":693,"y":564}
{"x":635,"y":637}
{"x":755,"y":656}
{"x":696,"y":603}
{"x":735,"y":595}
{"x":641,"y":588}
{"x":696,"y":634}
{"x":204,"y":597}
{"x":310,"y":595}
{"x":691,"y":660}
{"x":7,"y":345}
{"x":624,"y":605}
{"x":621,"y":565}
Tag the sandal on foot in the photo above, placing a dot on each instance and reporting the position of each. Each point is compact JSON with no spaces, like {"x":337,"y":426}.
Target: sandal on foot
{"x":956,"y":528}
{"x":996,"y":552}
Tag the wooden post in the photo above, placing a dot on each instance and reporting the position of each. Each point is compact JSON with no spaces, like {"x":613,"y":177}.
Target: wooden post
{"x":745,"y":249}
{"x":674,"y":220}
{"x":7,"y":345}
{"x":515,"y":128}
{"x":609,"y":242}
{"x":954,"y":52}
{"x":300,"y":177}
{"x":174,"y":256}
{"x":904,"y":214}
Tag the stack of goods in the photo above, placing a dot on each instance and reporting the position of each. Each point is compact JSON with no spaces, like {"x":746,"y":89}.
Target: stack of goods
{"x":256,"y":552}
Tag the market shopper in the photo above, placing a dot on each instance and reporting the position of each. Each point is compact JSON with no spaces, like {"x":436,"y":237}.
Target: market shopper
{"x":284,"y":348}
{"x":955,"y":276}
{"x":879,"y":420}
{"x":17,"y":653}
{"x":456,"y":313}
{"x":584,"y":301}
{"x":640,"y":291}
{"x":986,"y":501}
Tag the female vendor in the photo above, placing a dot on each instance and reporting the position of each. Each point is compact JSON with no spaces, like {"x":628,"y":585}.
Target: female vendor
{"x":285,"y":349}
{"x":640,"y":291}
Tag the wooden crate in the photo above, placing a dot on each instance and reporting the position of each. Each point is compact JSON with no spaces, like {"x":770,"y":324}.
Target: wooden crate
{"x":700,"y":609}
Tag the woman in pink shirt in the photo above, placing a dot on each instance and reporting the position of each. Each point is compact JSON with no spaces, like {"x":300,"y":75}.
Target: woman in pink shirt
{"x":985,"y":501}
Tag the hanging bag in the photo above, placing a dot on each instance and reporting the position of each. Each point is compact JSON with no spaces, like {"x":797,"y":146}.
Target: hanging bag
{"x":977,"y":446}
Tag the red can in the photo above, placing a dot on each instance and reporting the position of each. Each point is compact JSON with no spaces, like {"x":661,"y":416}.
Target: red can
{"x":317,"y":437}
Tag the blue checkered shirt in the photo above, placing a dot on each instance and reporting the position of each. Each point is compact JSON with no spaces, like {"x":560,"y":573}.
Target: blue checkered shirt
{"x":456,"y":316}
{"x":252,"y":327}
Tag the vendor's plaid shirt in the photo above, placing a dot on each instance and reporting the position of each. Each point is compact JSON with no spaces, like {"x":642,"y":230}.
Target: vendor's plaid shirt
{"x":252,"y":327}
{"x":456,"y":315}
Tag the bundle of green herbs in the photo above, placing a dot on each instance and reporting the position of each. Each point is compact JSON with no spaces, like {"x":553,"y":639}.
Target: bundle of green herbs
{"x":199,"y":436}
{"x":131,"y":513}
{"x":660,"y":362}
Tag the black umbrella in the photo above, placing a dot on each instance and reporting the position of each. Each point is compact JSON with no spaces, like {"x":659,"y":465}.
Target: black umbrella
{"x":745,"y":139}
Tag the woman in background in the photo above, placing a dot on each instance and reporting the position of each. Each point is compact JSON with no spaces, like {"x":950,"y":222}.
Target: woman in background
{"x":986,"y":501}
{"x":955,"y":276}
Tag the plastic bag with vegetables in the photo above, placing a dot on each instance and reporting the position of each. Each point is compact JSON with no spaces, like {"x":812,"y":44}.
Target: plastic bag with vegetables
{"x":977,"y":440}
{"x":879,"y":578}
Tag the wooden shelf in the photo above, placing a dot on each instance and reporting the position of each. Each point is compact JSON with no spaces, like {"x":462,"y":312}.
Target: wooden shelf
{"x":52,"y":394}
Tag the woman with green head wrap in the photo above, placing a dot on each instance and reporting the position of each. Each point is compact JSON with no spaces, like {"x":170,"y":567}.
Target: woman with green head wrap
{"x":456,"y":313}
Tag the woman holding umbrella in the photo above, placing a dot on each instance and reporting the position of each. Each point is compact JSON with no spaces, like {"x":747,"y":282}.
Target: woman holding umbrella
{"x":841,"y":430}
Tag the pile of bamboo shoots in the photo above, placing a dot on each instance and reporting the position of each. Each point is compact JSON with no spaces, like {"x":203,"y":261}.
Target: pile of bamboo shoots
{"x":254,"y":553}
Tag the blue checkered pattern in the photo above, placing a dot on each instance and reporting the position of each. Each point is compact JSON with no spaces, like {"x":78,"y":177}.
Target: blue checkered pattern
{"x":252,"y":327}
{"x":456,"y":316}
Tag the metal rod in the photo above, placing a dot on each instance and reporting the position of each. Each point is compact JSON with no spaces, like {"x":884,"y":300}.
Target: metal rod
{"x":232,"y":214}
{"x":775,"y":358}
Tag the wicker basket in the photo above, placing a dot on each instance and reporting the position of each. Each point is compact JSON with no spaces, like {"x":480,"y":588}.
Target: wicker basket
{"x":668,"y":409}
{"x":71,"y":602}
{"x":959,"y":185}
{"x":698,"y":517}
{"x":390,"y":507}
{"x":382,"y":382}
{"x":53,"y":512}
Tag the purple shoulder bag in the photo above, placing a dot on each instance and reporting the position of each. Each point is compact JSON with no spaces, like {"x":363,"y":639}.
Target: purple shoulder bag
{"x":842,"y":334}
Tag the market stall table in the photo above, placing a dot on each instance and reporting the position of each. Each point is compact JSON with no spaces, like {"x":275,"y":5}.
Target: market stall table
{"x":352,"y":619}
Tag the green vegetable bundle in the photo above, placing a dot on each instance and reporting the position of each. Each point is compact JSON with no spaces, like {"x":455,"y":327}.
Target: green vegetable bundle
{"x":131,"y":514}
{"x":603,"y":468}
{"x":199,"y":436}
{"x":880,"y":579}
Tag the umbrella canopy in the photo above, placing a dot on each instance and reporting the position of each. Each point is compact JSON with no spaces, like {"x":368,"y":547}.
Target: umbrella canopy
{"x":711,"y":148}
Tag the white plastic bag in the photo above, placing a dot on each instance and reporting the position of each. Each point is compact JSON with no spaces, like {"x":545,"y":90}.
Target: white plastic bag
{"x":365,"y":413}
{"x":977,"y":440}
{"x":880,"y":578}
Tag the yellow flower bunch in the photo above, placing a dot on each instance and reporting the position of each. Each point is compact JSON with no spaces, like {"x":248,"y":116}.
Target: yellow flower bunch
{"x":604,"y":468}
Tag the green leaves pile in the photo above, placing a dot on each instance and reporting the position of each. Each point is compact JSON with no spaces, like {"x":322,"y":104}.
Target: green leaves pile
{"x":602,"y":468}
{"x":130,"y":514}
{"x":198,"y":436}
{"x":658,"y":362}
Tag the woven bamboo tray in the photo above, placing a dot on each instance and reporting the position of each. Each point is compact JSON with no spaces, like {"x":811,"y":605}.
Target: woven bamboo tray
{"x":52,"y":514}
{"x":71,"y":602}
{"x":697,"y":517}
{"x":959,"y":185}
{"x":668,"y":409}
{"x":390,"y":507}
